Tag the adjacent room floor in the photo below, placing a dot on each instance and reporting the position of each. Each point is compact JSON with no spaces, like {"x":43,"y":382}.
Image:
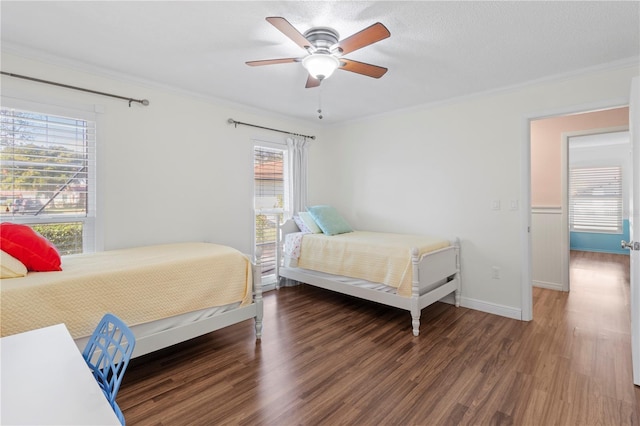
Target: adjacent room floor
{"x":331,"y":359}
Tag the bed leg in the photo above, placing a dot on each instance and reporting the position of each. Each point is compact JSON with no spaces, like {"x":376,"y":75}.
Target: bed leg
{"x":259,"y":306}
{"x":415,"y":292}
{"x":259,"y":312}
{"x":458,"y":293}
{"x":415,"y":315}
{"x":257,"y":295}
{"x":258,"y":329}
{"x":416,"y":324}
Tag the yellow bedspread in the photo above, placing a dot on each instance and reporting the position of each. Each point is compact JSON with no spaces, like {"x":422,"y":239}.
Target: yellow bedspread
{"x":373,"y":256}
{"x":138,"y":285}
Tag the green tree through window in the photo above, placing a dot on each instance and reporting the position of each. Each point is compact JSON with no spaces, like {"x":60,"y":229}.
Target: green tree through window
{"x":45,"y":175}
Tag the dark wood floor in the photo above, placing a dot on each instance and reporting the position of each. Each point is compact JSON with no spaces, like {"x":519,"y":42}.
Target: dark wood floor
{"x":330,"y":359}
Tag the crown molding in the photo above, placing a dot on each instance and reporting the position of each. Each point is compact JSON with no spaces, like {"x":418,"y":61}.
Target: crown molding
{"x":54,"y":60}
{"x":42,"y":56}
{"x":623,"y":63}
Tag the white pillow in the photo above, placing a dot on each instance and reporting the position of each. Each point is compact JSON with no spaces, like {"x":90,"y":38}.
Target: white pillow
{"x":310,"y":222}
{"x":11,"y":267}
{"x":301,"y":225}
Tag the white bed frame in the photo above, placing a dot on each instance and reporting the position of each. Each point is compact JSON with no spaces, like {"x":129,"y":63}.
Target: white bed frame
{"x":435,"y":276}
{"x":147,"y":343}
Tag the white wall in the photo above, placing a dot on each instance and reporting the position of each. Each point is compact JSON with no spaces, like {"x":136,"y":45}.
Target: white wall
{"x":172,"y":171}
{"x":176,"y":171}
{"x":436,"y":170}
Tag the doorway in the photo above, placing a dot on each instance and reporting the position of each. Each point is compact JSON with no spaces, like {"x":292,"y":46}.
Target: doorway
{"x":549,"y":170}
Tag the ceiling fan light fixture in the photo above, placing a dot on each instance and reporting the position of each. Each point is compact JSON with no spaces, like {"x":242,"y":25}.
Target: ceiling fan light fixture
{"x":321,"y":65}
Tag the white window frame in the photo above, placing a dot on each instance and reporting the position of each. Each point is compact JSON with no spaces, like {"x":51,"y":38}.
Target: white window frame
{"x":91,"y":238}
{"x":269,"y":280}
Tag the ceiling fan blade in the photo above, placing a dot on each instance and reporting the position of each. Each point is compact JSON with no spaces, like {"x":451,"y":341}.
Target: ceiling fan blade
{"x":369,"y":35}
{"x":290,"y":31}
{"x":271,"y":62}
{"x":312,"y":82}
{"x":362,"y":68}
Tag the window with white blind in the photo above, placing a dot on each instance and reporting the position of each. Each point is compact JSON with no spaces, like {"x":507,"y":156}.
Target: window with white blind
{"x":595,"y":199}
{"x":270,"y":204}
{"x":47,"y":176}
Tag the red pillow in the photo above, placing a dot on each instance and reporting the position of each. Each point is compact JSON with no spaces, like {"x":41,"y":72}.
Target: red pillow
{"x":32,"y":249}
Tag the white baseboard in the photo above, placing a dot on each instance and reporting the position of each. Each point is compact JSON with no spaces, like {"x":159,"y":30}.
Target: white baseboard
{"x":491,"y":308}
{"x":482,"y":306}
{"x":449,"y":298}
{"x":268,"y":287}
{"x":550,"y":286}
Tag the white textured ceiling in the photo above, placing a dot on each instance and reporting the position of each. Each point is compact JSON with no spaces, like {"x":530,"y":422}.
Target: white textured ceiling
{"x":437,"y":50}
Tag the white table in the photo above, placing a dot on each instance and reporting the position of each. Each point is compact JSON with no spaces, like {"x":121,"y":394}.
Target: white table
{"x":45,"y":381}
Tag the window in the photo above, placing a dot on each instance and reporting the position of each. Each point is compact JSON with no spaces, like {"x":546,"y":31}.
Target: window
{"x":595,"y":200}
{"x":46,"y":181}
{"x":270,"y":204}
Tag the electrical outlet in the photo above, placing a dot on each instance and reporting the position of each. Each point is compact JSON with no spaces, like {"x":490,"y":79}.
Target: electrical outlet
{"x":495,"y":272}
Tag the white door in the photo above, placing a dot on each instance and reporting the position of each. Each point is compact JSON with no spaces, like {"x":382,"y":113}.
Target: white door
{"x":634,"y":227}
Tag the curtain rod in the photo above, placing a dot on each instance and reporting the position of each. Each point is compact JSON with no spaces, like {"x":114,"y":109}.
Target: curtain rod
{"x":235,"y":123}
{"x":144,"y":102}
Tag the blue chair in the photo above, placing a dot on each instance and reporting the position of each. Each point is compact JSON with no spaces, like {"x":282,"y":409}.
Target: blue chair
{"x":107,"y":354}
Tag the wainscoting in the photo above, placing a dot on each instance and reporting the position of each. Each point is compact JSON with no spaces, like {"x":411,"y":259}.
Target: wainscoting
{"x":548,"y":248}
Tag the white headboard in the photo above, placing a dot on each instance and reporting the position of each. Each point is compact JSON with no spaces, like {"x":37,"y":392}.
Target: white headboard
{"x":288,"y":227}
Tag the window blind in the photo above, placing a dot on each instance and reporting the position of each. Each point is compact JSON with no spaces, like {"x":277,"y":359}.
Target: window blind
{"x":595,"y":201}
{"x":269,"y":166}
{"x":48,"y":164}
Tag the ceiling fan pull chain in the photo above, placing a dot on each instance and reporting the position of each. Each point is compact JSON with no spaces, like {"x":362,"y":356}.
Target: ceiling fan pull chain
{"x":320,"y":103}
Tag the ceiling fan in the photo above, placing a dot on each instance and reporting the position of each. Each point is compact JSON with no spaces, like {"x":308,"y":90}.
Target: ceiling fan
{"x":325,"y":50}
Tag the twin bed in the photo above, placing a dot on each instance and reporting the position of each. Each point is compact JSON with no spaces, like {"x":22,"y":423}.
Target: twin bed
{"x":166,"y":293}
{"x":404,"y":271}
{"x":174,"y":292}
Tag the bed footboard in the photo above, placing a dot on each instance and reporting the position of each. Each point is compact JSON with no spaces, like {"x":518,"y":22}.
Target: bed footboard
{"x":435,"y":275}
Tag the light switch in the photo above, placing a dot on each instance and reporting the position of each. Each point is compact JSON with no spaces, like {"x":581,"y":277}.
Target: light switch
{"x":495,"y":205}
{"x":513,"y":205}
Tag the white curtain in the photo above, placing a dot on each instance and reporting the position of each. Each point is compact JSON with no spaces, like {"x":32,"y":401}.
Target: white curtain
{"x":297,"y":185}
{"x":297,"y":174}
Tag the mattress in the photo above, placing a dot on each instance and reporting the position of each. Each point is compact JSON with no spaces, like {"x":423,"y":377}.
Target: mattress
{"x":383,"y":258}
{"x":140,"y":285}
